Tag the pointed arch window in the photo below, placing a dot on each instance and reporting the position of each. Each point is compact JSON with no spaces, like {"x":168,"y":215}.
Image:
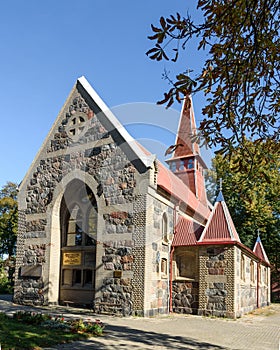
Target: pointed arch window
{"x":80,"y":220}
{"x":74,"y":228}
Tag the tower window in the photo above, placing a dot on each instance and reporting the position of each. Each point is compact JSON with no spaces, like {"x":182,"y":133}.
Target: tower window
{"x":182,"y":165}
{"x":190,"y":163}
{"x":173,"y":167}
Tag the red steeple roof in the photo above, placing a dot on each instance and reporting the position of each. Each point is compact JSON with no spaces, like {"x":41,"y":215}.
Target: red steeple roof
{"x":259,"y":250}
{"x":220,"y":227}
{"x":186,"y":162}
{"x":186,"y":130}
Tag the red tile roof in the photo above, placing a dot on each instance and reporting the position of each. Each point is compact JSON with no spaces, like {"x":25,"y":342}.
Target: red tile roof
{"x":186,"y":130}
{"x":259,"y":250}
{"x":187,"y":232}
{"x":220,"y":226}
{"x":176,"y":188}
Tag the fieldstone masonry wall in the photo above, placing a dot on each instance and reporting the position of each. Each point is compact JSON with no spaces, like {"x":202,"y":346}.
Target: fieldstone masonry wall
{"x":29,"y":285}
{"x":118,"y":256}
{"x":96,"y":153}
{"x":158,"y":290}
{"x":185,"y":297}
{"x":252,"y":283}
{"x":116,"y":297}
{"x":82,"y":131}
{"x":216,"y":296}
{"x":107,"y":164}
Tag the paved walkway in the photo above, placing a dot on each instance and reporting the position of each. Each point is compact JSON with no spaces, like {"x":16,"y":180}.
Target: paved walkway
{"x":258,"y":331}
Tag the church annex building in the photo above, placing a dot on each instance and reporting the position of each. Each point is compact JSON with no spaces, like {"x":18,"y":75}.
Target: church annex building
{"x":103,"y":224}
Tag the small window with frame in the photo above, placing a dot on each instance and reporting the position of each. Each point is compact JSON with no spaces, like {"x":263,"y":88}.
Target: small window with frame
{"x":242,"y":268}
{"x":164,"y":228}
{"x":252,"y":271}
{"x":163,"y":267}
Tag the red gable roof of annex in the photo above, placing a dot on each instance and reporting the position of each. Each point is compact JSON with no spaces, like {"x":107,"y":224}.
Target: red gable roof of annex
{"x":187,"y":232}
{"x":259,"y":250}
{"x":220,"y":226}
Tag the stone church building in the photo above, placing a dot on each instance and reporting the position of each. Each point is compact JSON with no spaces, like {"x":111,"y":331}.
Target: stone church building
{"x":103,"y":224}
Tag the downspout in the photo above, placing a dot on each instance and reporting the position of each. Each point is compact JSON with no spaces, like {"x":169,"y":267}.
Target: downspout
{"x":170,"y":279}
{"x":171,"y":257}
{"x":258,"y":284}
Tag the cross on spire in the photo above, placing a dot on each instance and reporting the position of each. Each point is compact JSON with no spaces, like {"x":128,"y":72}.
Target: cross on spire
{"x":221,"y":184}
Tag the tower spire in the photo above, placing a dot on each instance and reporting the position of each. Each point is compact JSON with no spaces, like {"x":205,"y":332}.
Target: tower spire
{"x":186,"y":161}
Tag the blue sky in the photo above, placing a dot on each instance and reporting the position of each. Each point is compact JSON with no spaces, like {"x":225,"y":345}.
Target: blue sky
{"x":47,"y":45}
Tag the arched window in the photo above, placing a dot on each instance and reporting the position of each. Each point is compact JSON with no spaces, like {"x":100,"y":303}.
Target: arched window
{"x":74,"y":228}
{"x":164,"y":229}
{"x":78,"y":219}
{"x":81,"y":227}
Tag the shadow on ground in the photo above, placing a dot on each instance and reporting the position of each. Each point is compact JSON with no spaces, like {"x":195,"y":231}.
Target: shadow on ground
{"x":120,"y":337}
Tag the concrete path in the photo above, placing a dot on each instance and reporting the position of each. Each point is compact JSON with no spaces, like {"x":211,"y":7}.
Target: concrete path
{"x":258,"y":331}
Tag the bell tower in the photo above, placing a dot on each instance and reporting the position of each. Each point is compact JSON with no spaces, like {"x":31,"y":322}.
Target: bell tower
{"x":186,"y":161}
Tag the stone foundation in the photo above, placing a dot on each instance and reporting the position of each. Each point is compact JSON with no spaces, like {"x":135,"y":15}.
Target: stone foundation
{"x":116,"y":297}
{"x":185,"y":297}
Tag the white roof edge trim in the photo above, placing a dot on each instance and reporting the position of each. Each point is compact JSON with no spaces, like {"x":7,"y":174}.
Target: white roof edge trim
{"x":227,"y":215}
{"x":207,"y":223}
{"x":263,"y":251}
{"x":147,"y":160}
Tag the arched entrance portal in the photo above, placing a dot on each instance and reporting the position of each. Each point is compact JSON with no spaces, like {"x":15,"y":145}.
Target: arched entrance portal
{"x":78,"y":222}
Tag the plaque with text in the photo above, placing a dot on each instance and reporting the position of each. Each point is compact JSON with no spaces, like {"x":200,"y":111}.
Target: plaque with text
{"x":72,"y":258}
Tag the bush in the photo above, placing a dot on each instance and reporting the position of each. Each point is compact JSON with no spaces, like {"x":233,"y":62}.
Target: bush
{"x":5,"y":286}
{"x":80,"y":326}
{"x":31,"y":317}
{"x":58,"y":322}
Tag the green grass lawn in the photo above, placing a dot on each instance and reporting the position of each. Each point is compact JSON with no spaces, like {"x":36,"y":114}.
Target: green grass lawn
{"x":19,"y":334}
